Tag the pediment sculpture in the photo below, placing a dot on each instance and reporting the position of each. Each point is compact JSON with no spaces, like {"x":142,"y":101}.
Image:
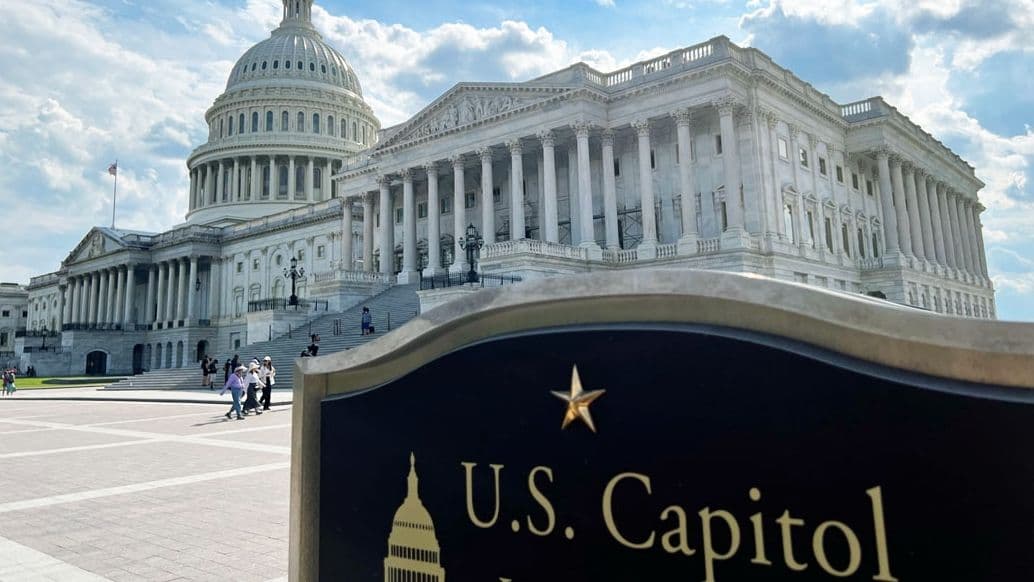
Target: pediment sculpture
{"x":465,"y":110}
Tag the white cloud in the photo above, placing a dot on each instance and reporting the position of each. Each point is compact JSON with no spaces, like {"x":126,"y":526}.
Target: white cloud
{"x":609,"y":3}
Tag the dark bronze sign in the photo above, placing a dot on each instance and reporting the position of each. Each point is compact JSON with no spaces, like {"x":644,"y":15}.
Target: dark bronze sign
{"x":650,"y":452}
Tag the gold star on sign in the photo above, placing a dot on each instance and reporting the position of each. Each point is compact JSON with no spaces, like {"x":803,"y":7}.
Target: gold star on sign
{"x":578,"y":401}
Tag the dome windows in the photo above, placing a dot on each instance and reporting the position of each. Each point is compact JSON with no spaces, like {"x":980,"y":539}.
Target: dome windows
{"x":269,"y":121}
{"x":254,"y":121}
{"x":264,"y":65}
{"x":240,"y":125}
{"x":334,"y":71}
{"x":300,"y":66}
{"x":253,"y":66}
{"x":315,"y":123}
{"x":229,"y":131}
{"x":301,"y":122}
{"x":312,"y":67}
{"x":330,"y":124}
{"x":284,"y":120}
{"x":323,"y":68}
{"x":276,"y":65}
{"x":287,"y":64}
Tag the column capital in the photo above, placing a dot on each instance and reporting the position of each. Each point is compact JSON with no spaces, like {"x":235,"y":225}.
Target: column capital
{"x":642,"y":127}
{"x":683,"y":116}
{"x":431,"y":168}
{"x":795,"y":131}
{"x":368,"y":198}
{"x":726,"y":105}
{"x":582,"y":128}
{"x":608,"y":137}
{"x":921,"y":173}
{"x":485,"y":153}
{"x":382,"y":181}
{"x":771,"y":118}
{"x":547,"y":138}
{"x":457,"y":160}
{"x":407,"y":175}
{"x":907,"y":165}
{"x":515,"y":147}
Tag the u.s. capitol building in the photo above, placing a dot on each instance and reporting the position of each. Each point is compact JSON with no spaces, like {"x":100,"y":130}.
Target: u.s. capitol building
{"x":711,"y":156}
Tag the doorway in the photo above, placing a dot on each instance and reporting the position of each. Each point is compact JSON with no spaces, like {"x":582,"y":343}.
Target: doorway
{"x":96,"y":363}
{"x":138,"y":358}
{"x":202,"y":350}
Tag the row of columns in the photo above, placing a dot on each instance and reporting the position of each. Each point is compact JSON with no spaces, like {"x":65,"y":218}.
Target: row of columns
{"x":927,"y":220}
{"x":582,"y":200}
{"x":208,"y":184}
{"x":170,"y":288}
{"x":101,"y":298}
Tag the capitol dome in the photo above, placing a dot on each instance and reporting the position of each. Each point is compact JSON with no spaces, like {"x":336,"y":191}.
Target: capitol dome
{"x":292,"y":111}
{"x":413,"y":550}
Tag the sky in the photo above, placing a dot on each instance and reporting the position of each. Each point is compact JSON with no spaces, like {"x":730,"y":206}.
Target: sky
{"x":86,"y":82}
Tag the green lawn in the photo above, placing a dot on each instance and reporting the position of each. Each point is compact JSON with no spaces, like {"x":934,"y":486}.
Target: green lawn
{"x":63,"y":382}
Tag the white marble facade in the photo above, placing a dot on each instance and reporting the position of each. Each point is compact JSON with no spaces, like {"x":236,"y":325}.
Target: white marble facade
{"x":851,"y":197}
{"x":711,"y":157}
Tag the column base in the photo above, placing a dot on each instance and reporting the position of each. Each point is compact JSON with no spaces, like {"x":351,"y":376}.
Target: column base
{"x":408,"y":277}
{"x":735,"y":238}
{"x":688,"y":244}
{"x":646,"y":250}
{"x":433,"y":271}
{"x":595,"y":253}
{"x":459,"y":267}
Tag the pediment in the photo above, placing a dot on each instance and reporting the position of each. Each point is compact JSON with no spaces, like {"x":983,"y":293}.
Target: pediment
{"x":96,"y":243}
{"x":465,"y":106}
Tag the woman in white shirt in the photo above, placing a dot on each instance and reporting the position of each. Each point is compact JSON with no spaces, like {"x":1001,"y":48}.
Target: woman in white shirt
{"x":268,"y":374}
{"x":252,"y":380}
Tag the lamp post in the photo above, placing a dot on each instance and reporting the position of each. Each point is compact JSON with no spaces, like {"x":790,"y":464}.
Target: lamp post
{"x":294,"y":272}
{"x":44,"y":347}
{"x":472,"y":243}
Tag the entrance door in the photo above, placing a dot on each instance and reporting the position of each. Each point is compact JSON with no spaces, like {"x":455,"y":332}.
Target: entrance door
{"x":138,"y":358}
{"x":96,"y":363}
{"x":202,"y":350}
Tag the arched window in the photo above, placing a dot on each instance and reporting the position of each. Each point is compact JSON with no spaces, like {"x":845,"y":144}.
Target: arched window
{"x":355,"y":131}
{"x":221,"y":128}
{"x":263,"y":65}
{"x":317,"y":180}
{"x":299,"y":182}
{"x":283,"y":176}
{"x":845,"y":239}
{"x":287,"y":64}
{"x":861,"y":244}
{"x":265,"y":182}
{"x":788,"y":222}
{"x":269,"y":121}
{"x":253,"y":65}
{"x":254,"y":121}
{"x":364,"y":134}
{"x":330,"y":124}
{"x":284,"y":120}
{"x":344,"y":129}
{"x":875,"y":246}
{"x":312,"y":67}
{"x":301,"y":122}
{"x":229,"y":131}
{"x":300,"y":66}
{"x":240,"y":124}
{"x":315,"y":123}
{"x":323,"y":68}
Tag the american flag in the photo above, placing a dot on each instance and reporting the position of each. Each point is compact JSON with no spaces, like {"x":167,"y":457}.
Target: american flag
{"x":113,"y":169}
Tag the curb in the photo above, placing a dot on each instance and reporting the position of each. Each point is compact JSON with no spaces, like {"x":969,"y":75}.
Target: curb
{"x":136,"y":399}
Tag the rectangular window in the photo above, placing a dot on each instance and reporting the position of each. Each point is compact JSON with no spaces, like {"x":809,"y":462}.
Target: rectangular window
{"x":653,"y":161}
{"x":802,"y":155}
{"x":829,"y":234}
{"x":497,"y":195}
{"x":301,"y":255}
{"x":784,"y":149}
{"x":255,"y":265}
{"x":868,"y":187}
{"x":470,"y":200}
{"x":854,"y":180}
{"x":6,"y":313}
{"x":421,"y":210}
{"x":840,"y":174}
{"x":718,"y":145}
{"x":822,"y":166}
{"x":321,"y":251}
{"x":845,"y":239}
{"x":445,"y":204}
{"x":811,"y":227}
{"x":398,"y":216}
{"x":240,"y":266}
{"x":3,"y":339}
{"x":617,"y":166}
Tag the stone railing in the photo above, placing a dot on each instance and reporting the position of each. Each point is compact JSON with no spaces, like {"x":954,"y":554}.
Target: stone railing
{"x":862,"y":110}
{"x":620,"y":256}
{"x":677,"y":60}
{"x":352,"y":277}
{"x":44,"y":280}
{"x":709,"y":245}
{"x":274,"y":139}
{"x":870,"y":263}
{"x":666,"y":251}
{"x":535,"y":247}
{"x":286,"y":218}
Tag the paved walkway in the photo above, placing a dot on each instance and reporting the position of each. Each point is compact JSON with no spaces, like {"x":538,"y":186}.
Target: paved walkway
{"x":279,"y":397}
{"x":98,"y":490}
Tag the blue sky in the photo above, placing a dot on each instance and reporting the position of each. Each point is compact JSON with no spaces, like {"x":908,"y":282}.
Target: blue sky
{"x":83,"y":82}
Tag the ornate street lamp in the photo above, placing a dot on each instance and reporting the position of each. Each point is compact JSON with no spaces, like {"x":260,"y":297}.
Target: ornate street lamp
{"x":472,"y":243}
{"x":294,"y":272}
{"x":44,"y":348}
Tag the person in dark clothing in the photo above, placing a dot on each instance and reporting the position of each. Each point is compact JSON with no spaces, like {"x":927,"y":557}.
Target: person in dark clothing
{"x":213,"y":369}
{"x":367,"y":321}
{"x":314,"y":347}
{"x":253,"y":382}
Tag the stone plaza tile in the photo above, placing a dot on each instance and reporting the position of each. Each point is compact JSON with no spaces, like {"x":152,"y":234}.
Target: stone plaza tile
{"x":210,"y":421}
{"x":14,"y":444}
{"x":276,"y":434}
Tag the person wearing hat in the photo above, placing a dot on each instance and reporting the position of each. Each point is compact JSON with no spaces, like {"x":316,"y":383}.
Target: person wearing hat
{"x":268,"y":375}
{"x":234,"y":384}
{"x":252,"y":381}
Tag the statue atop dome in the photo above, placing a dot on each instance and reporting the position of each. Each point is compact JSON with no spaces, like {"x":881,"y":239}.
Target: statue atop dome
{"x":297,"y":13}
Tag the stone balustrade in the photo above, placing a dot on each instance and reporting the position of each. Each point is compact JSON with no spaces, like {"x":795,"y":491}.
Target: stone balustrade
{"x":352,"y":277}
{"x":710,"y":245}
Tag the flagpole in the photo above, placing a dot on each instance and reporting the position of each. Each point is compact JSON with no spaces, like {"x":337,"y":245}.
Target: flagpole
{"x":114,"y":196}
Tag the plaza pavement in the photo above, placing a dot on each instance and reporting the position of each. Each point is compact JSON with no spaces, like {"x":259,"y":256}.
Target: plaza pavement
{"x":112,"y":490}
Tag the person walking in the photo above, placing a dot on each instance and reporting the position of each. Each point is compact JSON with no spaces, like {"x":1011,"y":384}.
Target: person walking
{"x":234,"y":384}
{"x":367,"y":320}
{"x":205,"y":380}
{"x":252,"y":381}
{"x":6,"y":379}
{"x":268,"y":375}
{"x":213,"y":369}
{"x":12,"y":375}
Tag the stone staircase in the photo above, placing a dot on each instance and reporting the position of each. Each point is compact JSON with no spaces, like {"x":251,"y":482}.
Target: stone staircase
{"x":390,"y":309}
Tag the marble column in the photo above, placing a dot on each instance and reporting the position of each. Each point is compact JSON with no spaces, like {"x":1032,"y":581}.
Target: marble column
{"x":274,"y":178}
{"x":235,"y":184}
{"x":936,"y":222}
{"x":102,"y":297}
{"x":978,"y":229}
{"x":191,"y":292}
{"x":170,"y":294}
{"x":949,"y":241}
{"x":153,"y":271}
{"x":368,"y":220}
{"x":517,"y":230}
{"x":215,"y":274}
{"x":387,"y":228}
{"x":127,"y":312}
{"x":648,"y":246}
{"x":256,"y":180}
{"x":804,"y":227}
{"x":587,"y":227}
{"x":925,"y":216}
{"x":73,"y":310}
{"x":459,"y":215}
{"x":434,"y":226}
{"x":95,"y":297}
{"x":687,"y":242}
{"x":967,"y":253}
{"x":487,"y":201}
{"x":346,"y":234}
{"x":901,"y":208}
{"x":220,"y":186}
{"x":62,"y":306}
{"x":890,"y":219}
{"x":550,"y":218}
{"x":971,"y":237}
{"x":193,"y":189}
{"x":735,"y":233}
{"x":326,"y":187}
{"x":956,"y":231}
{"x":409,"y":259}
{"x":912,"y":203}
{"x":310,"y":175}
{"x":292,"y":177}
{"x":610,"y":195}
{"x":118,"y":302}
